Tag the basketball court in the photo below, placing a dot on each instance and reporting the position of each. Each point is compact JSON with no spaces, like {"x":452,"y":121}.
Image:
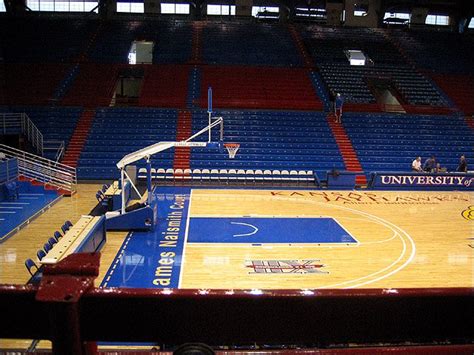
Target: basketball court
{"x":293,"y":239}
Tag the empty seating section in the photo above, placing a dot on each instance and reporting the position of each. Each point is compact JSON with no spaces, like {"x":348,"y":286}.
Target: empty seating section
{"x":249,"y":43}
{"x":119,"y":131}
{"x":55,"y":123}
{"x":388,"y":142}
{"x":460,"y":88}
{"x":448,"y":61}
{"x":449,"y":53}
{"x":259,"y":87}
{"x":328,"y":46}
{"x":172,"y":40}
{"x":32,"y":83}
{"x":113,"y":42}
{"x":44,"y":40}
{"x":274,"y":140}
{"x":94,"y":86}
{"x":165,"y":86}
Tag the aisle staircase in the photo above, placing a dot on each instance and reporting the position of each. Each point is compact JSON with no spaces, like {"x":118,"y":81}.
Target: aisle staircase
{"x":78,"y":140}
{"x":196,"y":55}
{"x":351,"y":161}
{"x":307,"y":60}
{"x":182,"y":155}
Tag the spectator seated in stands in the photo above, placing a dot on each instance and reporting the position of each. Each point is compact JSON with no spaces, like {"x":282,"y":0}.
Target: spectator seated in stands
{"x":416,"y":165}
{"x":2,"y":156}
{"x":439,"y":169}
{"x":430,"y":164}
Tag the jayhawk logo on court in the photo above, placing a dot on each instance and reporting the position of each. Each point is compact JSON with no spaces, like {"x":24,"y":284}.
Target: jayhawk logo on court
{"x":468,"y":213}
{"x":286,"y":267}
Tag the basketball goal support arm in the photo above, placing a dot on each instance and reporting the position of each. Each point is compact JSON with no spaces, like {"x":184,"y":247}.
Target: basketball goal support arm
{"x":153,"y":149}
{"x":147,"y":152}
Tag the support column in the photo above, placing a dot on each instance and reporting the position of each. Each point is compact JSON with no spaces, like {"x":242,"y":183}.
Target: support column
{"x":15,"y":6}
{"x":152,"y":6}
{"x":371,"y":19}
{"x":418,"y":16}
{"x":284,"y":14}
{"x":334,"y":13}
{"x":243,"y":8}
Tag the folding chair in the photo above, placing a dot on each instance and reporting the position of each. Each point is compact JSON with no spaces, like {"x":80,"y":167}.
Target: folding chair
{"x":241,"y":175}
{"x":196,"y":175}
{"x":99,"y":196}
{"x":47,"y":247}
{"x":276,"y":176}
{"x":169,"y":174}
{"x":214,"y":175}
{"x":40,"y":254}
{"x":259,"y":176}
{"x":232,"y":175}
{"x":206,"y":175}
{"x":250,"y":175}
{"x":178,"y":175}
{"x":268,"y":176}
{"x":223,"y":176}
{"x":57,"y":235}
{"x":64,"y":228}
{"x":187,"y":174}
{"x":160,"y":174}
{"x":30,"y":264}
{"x":52,"y":241}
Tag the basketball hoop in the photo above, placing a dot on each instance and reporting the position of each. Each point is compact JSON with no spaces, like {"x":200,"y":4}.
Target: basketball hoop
{"x":232,"y":149}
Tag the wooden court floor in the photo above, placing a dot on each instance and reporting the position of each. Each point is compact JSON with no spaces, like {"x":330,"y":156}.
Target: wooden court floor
{"x":402,"y":240}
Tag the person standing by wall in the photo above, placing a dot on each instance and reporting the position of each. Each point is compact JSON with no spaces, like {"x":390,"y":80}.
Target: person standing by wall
{"x":462,"y":167}
{"x":332,"y":99}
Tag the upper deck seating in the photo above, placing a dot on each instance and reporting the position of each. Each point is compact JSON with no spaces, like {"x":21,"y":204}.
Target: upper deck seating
{"x":235,"y":43}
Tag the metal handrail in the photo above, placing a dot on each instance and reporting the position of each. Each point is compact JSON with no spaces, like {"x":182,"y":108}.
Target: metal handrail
{"x":43,"y":170}
{"x":32,"y":133}
{"x":59,"y":149}
{"x":25,"y":124}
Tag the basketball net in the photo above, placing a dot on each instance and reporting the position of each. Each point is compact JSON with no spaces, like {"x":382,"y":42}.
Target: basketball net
{"x":232,"y":149}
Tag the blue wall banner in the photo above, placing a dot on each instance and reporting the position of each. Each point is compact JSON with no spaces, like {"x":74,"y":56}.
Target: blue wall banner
{"x":421,"y":181}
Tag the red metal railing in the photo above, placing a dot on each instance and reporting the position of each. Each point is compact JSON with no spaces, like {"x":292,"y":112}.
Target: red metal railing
{"x":68,"y":310}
